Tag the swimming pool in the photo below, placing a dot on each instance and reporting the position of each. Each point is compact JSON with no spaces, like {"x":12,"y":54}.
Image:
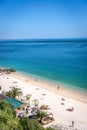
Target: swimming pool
{"x":15,"y":103}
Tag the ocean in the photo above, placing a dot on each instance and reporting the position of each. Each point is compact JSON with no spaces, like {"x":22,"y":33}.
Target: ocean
{"x":57,"y":61}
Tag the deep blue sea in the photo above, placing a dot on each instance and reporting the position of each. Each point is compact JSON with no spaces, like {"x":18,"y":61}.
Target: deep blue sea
{"x":64,"y":62}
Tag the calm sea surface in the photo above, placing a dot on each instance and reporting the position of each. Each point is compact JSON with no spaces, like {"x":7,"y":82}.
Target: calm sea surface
{"x":63,"y":61}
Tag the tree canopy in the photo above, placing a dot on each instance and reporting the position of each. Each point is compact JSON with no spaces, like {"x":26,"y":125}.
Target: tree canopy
{"x":9,"y":121}
{"x":14,"y":92}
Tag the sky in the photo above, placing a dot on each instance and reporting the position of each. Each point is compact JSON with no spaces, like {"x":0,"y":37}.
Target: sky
{"x":34,"y":19}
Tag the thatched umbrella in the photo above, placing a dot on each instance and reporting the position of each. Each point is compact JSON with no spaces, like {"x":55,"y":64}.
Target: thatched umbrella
{"x":28,"y":96}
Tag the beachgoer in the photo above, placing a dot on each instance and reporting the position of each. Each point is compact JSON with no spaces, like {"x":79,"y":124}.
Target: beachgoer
{"x":58,"y":87}
{"x":72,"y":123}
{"x":36,"y":79}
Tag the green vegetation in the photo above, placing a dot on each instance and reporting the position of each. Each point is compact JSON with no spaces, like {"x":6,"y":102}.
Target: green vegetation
{"x":30,"y":124}
{"x":40,"y":115}
{"x":14,"y":92}
{"x":9,"y":121}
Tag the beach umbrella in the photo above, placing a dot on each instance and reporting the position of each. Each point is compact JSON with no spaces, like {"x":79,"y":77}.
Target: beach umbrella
{"x":36,"y":102}
{"x":28,"y":96}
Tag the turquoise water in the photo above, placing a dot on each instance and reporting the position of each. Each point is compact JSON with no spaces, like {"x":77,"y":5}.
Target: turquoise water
{"x":65,"y":62}
{"x":15,"y":103}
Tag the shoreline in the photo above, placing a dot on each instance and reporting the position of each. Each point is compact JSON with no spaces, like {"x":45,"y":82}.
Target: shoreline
{"x":59,"y":100}
{"x":58,"y":89}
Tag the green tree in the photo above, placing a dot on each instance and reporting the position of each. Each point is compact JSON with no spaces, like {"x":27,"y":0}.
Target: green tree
{"x":9,"y":94}
{"x":30,"y":124}
{"x":40,"y":115}
{"x":49,"y":128}
{"x":14,"y":92}
{"x":8,"y":120}
{"x":6,"y":107}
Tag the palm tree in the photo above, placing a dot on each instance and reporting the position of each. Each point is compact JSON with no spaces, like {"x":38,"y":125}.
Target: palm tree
{"x":9,"y":94}
{"x":40,"y":115}
{"x":14,"y":92}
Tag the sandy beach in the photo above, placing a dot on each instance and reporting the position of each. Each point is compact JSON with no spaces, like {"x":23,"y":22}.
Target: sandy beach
{"x":57,"y":98}
{"x":60,"y":89}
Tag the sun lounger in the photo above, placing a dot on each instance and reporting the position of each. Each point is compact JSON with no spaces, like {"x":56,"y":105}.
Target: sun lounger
{"x":70,"y":109}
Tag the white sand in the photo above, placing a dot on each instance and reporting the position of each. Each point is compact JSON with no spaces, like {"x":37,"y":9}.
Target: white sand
{"x":53,"y":100}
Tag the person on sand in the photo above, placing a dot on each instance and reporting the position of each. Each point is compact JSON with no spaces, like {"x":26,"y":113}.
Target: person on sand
{"x":58,"y":87}
{"x":72,"y":123}
{"x":0,"y":89}
{"x":36,"y":79}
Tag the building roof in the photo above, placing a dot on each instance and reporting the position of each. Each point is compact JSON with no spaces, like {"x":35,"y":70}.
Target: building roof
{"x":2,"y":96}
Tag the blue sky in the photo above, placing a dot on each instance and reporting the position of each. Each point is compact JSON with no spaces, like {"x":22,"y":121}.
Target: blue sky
{"x":29,"y":19}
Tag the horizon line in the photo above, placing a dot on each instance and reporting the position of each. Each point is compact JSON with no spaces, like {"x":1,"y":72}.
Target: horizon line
{"x":43,"y":40}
